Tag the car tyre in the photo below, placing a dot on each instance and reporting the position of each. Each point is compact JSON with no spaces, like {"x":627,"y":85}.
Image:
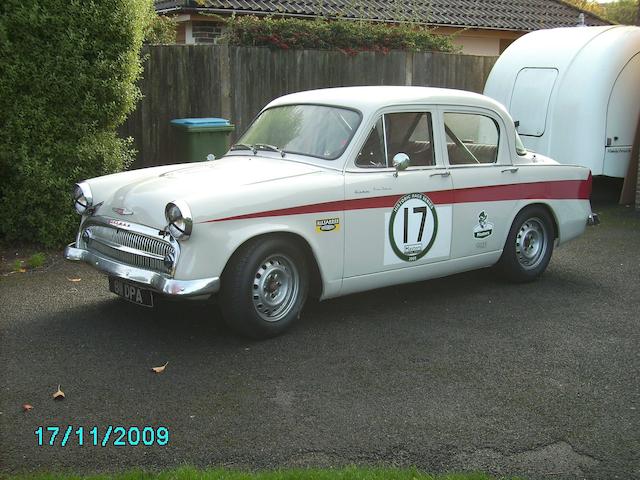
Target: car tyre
{"x":529,"y":245}
{"x":264,"y":287}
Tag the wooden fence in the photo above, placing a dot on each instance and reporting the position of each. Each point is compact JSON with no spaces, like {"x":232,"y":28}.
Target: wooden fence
{"x":236,"y":82}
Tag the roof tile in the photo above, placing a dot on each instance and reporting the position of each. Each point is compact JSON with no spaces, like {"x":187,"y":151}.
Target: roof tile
{"x":522,"y":15}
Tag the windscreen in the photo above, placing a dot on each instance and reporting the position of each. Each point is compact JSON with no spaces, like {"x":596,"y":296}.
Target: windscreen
{"x":314,"y":130}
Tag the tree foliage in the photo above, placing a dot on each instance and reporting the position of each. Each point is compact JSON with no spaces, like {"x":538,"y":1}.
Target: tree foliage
{"x":345,"y":35}
{"x":68,"y":71}
{"x":160,"y":29}
{"x":624,"y":12}
{"x":588,"y":5}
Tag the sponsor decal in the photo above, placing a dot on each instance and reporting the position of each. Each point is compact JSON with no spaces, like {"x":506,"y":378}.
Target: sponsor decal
{"x":327,"y":225}
{"x":413,"y":227}
{"x":123,"y":211}
{"x":484,"y":228}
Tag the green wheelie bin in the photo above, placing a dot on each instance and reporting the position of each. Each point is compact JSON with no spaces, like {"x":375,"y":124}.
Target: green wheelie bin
{"x":196,"y":138}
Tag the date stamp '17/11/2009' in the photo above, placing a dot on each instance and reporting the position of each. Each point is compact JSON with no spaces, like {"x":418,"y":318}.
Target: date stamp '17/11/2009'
{"x":118,"y":436}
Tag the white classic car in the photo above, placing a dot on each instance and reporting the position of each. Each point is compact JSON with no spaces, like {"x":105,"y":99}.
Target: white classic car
{"x":331,"y":192}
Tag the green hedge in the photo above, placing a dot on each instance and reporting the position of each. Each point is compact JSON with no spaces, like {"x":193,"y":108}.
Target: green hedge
{"x":68,"y":71}
{"x":348,"y":36}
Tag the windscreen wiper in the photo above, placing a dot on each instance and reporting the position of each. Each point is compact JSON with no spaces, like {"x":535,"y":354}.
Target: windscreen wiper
{"x":271,"y":148}
{"x":244,"y":146}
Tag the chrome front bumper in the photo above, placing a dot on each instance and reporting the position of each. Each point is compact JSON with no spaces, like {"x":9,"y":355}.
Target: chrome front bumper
{"x":155,"y":281}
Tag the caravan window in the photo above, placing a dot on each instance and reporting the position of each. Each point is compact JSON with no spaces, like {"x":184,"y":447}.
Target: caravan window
{"x":530,"y":99}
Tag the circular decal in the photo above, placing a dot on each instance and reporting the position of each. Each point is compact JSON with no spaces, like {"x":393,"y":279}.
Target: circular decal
{"x":413,"y":226}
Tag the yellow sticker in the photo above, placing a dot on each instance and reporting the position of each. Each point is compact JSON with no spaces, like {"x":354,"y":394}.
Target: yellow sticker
{"x":328,"y":225}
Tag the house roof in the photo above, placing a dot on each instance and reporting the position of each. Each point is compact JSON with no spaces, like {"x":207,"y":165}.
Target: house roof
{"x":518,"y":15}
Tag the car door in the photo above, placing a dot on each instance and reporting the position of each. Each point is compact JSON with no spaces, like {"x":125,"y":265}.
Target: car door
{"x":397,"y":219}
{"x":484,"y":180}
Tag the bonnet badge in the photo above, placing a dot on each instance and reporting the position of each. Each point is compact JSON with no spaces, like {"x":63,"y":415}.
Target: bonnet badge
{"x":123,"y":211}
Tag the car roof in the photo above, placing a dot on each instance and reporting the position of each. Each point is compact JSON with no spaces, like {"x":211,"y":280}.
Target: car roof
{"x":371,"y":98}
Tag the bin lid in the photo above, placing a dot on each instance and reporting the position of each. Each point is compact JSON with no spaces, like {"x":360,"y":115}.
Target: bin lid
{"x":201,"y":122}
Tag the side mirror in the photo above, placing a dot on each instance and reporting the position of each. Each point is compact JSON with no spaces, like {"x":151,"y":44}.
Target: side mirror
{"x":400,"y":161}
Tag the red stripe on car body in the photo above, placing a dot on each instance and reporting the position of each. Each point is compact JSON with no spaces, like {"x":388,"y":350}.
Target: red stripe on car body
{"x":553,"y":190}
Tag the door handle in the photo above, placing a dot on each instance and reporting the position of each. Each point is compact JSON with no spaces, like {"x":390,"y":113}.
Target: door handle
{"x":441,"y":174}
{"x":512,"y":170}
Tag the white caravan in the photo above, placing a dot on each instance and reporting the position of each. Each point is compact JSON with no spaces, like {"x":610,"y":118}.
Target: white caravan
{"x":574,"y":94}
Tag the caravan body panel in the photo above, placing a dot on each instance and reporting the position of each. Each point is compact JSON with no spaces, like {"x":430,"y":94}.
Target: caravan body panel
{"x":574,"y":92}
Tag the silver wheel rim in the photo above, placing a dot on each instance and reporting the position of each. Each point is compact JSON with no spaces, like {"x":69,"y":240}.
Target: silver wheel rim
{"x":531,"y":243}
{"x":275,"y":288}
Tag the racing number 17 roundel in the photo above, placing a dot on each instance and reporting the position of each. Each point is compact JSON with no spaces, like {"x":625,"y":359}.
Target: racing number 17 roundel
{"x":413,"y":226}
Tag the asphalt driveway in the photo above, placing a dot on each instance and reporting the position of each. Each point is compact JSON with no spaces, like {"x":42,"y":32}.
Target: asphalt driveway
{"x":461,"y":373}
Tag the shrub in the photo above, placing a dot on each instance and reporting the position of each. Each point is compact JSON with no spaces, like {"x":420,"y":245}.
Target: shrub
{"x":345,"y":35}
{"x":68,"y":74}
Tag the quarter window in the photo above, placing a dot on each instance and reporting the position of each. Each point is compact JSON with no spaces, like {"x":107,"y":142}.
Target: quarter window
{"x":373,"y":154}
{"x":410,"y":133}
{"x":471,"y":138}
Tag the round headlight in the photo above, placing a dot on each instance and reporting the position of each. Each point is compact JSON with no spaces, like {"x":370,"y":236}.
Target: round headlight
{"x":82,"y":198}
{"x":180,"y":220}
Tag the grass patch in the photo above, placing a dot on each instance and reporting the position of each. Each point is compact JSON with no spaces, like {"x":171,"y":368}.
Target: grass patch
{"x":189,"y":473}
{"x":25,"y":257}
{"x":36,"y":260}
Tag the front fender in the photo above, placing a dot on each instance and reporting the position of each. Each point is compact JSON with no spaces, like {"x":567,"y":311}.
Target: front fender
{"x":209,"y":249}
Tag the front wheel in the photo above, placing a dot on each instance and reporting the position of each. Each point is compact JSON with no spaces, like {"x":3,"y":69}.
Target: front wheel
{"x":529,"y":246}
{"x":264,"y":287}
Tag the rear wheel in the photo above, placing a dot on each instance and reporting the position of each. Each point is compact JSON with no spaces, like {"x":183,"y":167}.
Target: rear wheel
{"x":264,"y":287}
{"x":529,"y":245}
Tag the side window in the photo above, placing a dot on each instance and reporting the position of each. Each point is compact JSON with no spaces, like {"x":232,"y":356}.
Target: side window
{"x":372,"y":154}
{"x":410,"y":133}
{"x":471,"y":138}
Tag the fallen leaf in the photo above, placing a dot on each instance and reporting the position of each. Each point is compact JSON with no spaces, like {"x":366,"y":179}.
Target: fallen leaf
{"x":59,"y":394}
{"x":26,"y":407}
{"x":160,"y":369}
{"x":22,"y":270}
{"x":74,"y":279}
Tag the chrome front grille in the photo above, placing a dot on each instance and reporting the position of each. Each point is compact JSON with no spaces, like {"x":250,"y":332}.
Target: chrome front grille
{"x":129,"y":247}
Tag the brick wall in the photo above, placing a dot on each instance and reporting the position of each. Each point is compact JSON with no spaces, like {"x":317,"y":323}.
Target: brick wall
{"x":206,"y":32}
